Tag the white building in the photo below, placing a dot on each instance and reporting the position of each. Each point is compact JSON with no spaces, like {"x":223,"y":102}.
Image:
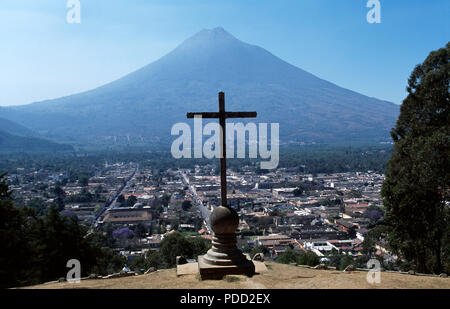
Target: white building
{"x":318,"y":247}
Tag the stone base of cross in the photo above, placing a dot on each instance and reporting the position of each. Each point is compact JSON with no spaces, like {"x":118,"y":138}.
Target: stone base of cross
{"x":224,"y":258}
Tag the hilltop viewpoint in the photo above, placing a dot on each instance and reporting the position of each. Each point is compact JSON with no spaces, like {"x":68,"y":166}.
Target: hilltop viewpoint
{"x":277,"y":276}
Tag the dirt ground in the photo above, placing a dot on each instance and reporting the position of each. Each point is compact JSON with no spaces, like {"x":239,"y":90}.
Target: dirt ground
{"x":278,"y":276}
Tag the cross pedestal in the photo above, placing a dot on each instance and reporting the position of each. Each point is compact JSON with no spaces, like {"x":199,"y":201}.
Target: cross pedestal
{"x":224,"y":258}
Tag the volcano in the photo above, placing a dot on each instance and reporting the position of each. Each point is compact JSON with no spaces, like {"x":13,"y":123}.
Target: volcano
{"x":141,"y":107}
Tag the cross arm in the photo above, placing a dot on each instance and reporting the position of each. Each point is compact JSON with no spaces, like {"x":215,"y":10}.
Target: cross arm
{"x":204,"y":115}
{"x":240,"y":114}
{"x":227,"y":115}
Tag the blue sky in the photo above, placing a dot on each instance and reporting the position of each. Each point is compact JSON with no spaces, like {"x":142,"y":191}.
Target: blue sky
{"x":43,"y":57}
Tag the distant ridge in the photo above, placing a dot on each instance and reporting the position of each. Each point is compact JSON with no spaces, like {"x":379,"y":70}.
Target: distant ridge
{"x":10,"y":143}
{"x":140,"y":108}
{"x":15,"y":128}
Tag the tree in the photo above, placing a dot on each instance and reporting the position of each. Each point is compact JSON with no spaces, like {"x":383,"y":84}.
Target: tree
{"x":176,"y":244}
{"x":38,"y":204}
{"x":417,"y":181}
{"x":59,"y":192}
{"x":83,"y":181}
{"x":140,"y":230}
{"x":373,"y":236}
{"x":355,"y":194}
{"x":154,"y":259}
{"x":83,"y":197}
{"x":99,"y":190}
{"x":351,"y":233}
{"x":259,"y":249}
{"x":287,"y":257}
{"x":345,"y":261}
{"x":12,"y":233}
{"x":131,"y":200}
{"x":186,"y":205}
{"x":166,"y":199}
{"x":138,"y":264}
{"x":64,"y":181}
{"x":298,"y":192}
{"x":120,"y":200}
{"x":308,"y":258}
{"x":35,"y":248}
{"x":60,"y":195}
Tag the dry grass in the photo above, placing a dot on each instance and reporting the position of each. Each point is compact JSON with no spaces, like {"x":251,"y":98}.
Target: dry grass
{"x":278,"y":276}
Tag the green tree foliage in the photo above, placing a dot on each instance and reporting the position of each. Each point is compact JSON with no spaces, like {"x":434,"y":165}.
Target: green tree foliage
{"x":59,"y":192}
{"x":60,"y":195}
{"x":345,"y":261}
{"x":176,"y":244}
{"x":355,"y":194}
{"x":351,"y":233}
{"x":298,"y":192}
{"x":12,"y":234}
{"x":308,"y":258}
{"x":154,"y":259}
{"x":38,"y":204}
{"x":306,"y":159}
{"x":98,"y":191}
{"x":340,"y":260}
{"x":83,"y":197}
{"x":83,"y":181}
{"x":138,"y":264}
{"x":302,"y":258}
{"x":166,"y":199}
{"x":186,"y":205}
{"x":131,"y":200}
{"x":287,"y":257}
{"x":259,"y":249}
{"x":121,"y":200}
{"x":333,"y":159}
{"x":373,"y":236}
{"x":332,"y":202}
{"x":417,"y":181}
{"x":141,"y":230}
{"x":36,"y":249}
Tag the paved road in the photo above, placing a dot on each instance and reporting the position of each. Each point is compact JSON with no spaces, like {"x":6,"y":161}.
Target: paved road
{"x":112,"y":202}
{"x":203,"y":210}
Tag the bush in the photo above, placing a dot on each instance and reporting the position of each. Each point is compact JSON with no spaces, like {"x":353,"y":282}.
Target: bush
{"x":36,"y":249}
{"x":259,"y":249}
{"x":154,"y":259}
{"x":308,"y":258}
{"x":287,"y":257}
{"x":346,"y":260}
{"x":176,"y":244}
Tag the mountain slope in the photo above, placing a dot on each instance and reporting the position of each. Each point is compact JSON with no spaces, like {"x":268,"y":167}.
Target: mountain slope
{"x":142,"y":106}
{"x":15,"y":128}
{"x":14,"y":143}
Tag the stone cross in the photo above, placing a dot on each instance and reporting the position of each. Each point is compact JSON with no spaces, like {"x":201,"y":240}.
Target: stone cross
{"x":224,"y":258}
{"x":222,"y":115}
